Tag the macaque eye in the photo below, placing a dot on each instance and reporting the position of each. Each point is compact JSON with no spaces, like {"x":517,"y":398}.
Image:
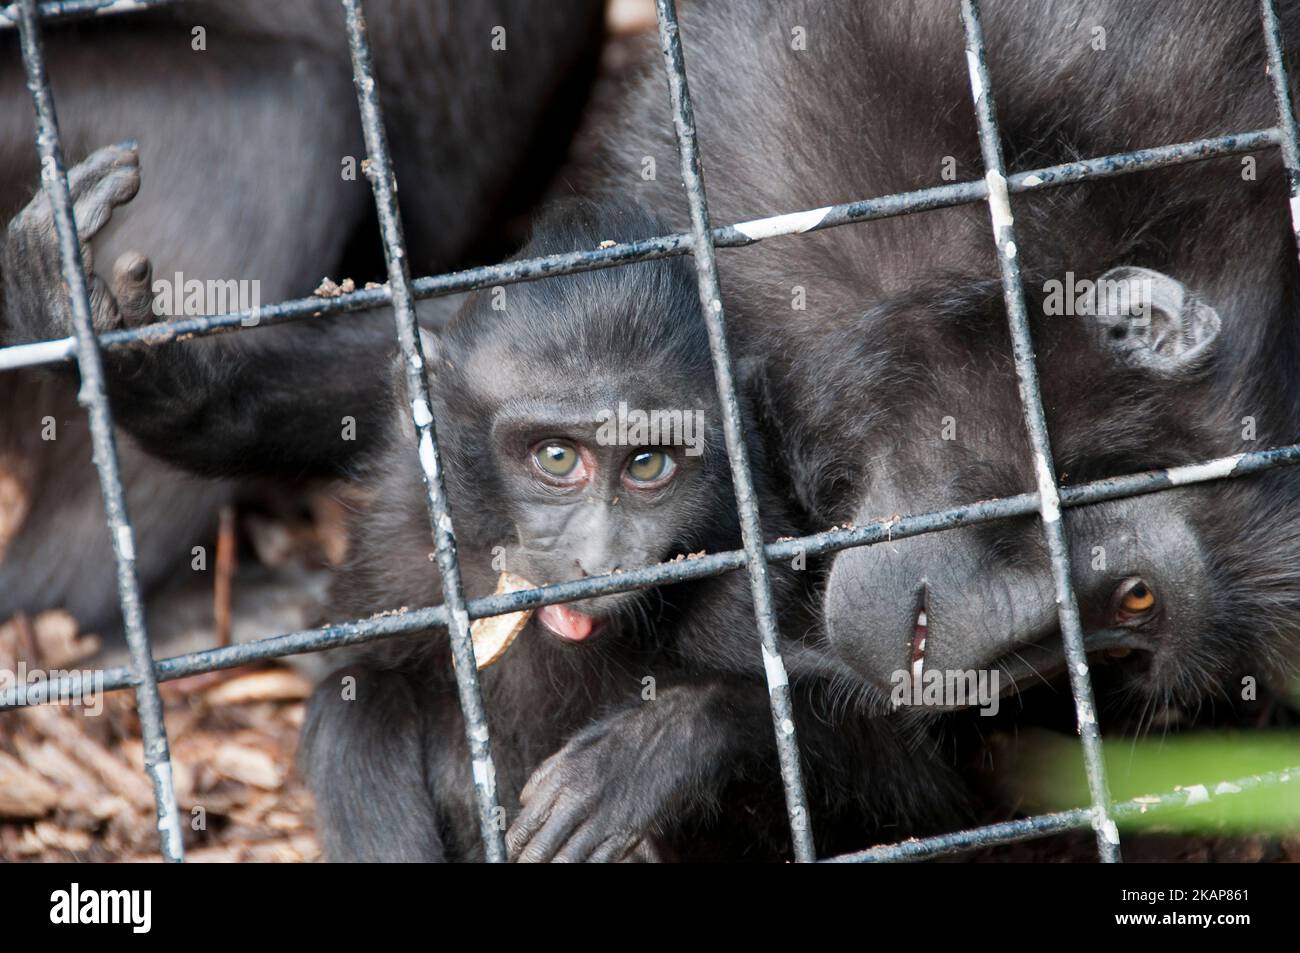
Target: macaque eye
{"x":557,"y":459}
{"x":1134,"y":598}
{"x":650,"y":466}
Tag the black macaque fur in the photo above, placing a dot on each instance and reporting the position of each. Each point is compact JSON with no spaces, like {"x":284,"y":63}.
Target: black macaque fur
{"x":904,"y":325}
{"x":695,"y":768}
{"x":242,"y":144}
{"x":210,"y":431}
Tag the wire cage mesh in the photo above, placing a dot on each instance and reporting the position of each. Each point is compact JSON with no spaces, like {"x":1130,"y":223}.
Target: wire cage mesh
{"x":455,"y":613}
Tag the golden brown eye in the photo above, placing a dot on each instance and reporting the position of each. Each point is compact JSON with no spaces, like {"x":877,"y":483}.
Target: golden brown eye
{"x":556,"y":459}
{"x":1138,"y":599}
{"x":649,"y":466}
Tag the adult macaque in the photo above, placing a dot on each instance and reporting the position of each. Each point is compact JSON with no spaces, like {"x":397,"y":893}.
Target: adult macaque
{"x":888,"y":364}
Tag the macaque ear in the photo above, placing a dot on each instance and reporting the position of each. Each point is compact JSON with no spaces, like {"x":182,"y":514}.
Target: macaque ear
{"x":1151,"y":320}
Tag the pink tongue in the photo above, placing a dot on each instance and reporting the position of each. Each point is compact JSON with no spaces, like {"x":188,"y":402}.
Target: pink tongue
{"x":566,"y":623}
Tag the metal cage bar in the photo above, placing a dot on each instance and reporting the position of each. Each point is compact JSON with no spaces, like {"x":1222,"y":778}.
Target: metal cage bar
{"x":1290,"y":139}
{"x":724,"y":236}
{"x":706,"y":266}
{"x":380,"y":172}
{"x":713,"y":564}
{"x":77,"y":9}
{"x":144,"y":673}
{"x":92,"y":396}
{"x":1031,"y":399}
{"x":1042,"y":825}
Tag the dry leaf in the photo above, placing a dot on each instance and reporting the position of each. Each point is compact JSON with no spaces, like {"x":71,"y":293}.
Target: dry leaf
{"x":269,"y":685}
{"x":59,"y":641}
{"x":23,"y":792}
{"x":15,"y":500}
{"x":248,"y":766}
{"x":61,"y":727}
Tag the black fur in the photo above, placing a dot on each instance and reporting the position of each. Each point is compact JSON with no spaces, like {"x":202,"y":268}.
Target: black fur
{"x":626,"y":768}
{"x":242,"y":146}
{"x":904,"y":325}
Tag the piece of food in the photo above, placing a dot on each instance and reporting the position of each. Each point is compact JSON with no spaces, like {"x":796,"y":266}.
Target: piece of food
{"x":492,"y":636}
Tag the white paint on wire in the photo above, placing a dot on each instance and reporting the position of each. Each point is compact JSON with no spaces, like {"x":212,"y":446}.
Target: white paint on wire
{"x":775,"y":669}
{"x":1198,"y":472}
{"x":1050,"y":500}
{"x":790,"y":224}
{"x":39,"y":352}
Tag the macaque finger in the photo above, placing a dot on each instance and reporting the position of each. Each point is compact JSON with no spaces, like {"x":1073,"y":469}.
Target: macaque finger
{"x":132,"y":281}
{"x":645,"y":851}
{"x":539,"y":777}
{"x":615,"y":848}
{"x":105,"y":186}
{"x":546,"y":843}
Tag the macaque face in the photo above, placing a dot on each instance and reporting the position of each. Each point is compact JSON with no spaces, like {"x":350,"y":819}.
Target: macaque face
{"x":983,"y":598}
{"x":616,"y":479}
{"x":587,"y":430}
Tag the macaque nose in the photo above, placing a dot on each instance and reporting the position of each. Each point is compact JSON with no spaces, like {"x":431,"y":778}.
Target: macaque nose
{"x":596,"y":572}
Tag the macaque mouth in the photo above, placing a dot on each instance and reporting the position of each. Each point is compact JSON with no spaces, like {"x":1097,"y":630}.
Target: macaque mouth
{"x":920,"y":630}
{"x":567,"y":623}
{"x":1037,"y":662}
